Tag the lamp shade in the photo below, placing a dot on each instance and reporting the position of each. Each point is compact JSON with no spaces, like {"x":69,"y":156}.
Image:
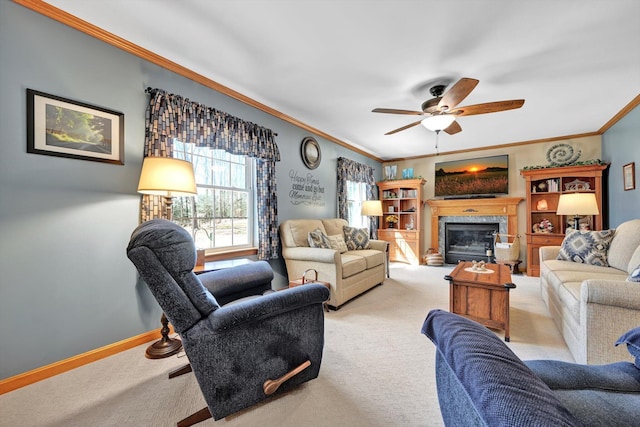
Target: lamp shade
{"x":371,"y":208}
{"x":578,"y":204}
{"x":166,"y":176}
{"x":439,"y":122}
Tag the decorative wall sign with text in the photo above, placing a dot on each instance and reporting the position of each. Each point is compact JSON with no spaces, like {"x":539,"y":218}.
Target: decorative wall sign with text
{"x":305,"y":189}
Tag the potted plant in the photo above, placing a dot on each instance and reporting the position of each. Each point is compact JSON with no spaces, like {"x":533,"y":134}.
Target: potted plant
{"x":391,"y":220}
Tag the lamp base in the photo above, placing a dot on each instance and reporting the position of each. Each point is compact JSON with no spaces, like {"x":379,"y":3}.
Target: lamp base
{"x":163,"y":348}
{"x":576,"y":222}
{"x":166,"y":346}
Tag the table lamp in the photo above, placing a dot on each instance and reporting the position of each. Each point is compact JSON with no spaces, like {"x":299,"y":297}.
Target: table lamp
{"x":577,"y":204}
{"x":166,"y":177}
{"x":371,"y":208}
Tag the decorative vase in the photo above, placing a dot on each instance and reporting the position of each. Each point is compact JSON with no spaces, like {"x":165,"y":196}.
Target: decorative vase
{"x":391,"y":225}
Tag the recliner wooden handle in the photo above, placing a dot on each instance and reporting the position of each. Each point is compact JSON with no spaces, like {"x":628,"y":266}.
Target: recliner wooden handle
{"x":271,"y":386}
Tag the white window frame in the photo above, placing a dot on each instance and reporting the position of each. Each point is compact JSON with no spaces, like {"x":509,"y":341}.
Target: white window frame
{"x":207,"y":183}
{"x":356,"y":194}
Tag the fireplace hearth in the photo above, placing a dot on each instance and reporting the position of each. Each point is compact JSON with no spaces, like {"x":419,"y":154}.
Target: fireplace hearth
{"x":469,"y":241}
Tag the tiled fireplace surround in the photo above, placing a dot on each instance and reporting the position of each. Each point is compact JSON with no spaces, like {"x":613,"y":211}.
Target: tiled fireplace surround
{"x":500,"y":210}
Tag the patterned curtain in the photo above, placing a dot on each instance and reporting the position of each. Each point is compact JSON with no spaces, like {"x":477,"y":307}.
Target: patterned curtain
{"x":349,"y":170}
{"x":171,"y":116}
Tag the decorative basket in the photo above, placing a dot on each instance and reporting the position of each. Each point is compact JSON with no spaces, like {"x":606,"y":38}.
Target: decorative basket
{"x":506,"y":247}
{"x":434,"y":258}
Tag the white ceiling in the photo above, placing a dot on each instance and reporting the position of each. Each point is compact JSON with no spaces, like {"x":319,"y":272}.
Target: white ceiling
{"x":328,"y":63}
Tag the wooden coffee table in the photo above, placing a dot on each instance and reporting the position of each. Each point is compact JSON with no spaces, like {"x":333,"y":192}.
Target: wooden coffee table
{"x":482,"y":296}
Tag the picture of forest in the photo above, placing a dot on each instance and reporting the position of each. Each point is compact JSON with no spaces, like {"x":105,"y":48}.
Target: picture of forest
{"x":488,"y":175}
{"x":77,"y":130}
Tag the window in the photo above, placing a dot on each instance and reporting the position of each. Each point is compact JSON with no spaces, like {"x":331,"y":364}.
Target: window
{"x":356,"y":194}
{"x":221,"y":216}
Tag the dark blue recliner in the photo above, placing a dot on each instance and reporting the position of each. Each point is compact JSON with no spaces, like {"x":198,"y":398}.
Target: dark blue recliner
{"x":238,"y":352}
{"x":481,"y":382}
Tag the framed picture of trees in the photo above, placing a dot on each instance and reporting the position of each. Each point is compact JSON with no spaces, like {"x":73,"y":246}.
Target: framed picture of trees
{"x":62,"y":127}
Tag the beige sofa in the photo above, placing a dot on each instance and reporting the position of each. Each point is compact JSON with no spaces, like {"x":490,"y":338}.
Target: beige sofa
{"x":350,"y":273}
{"x":592,"y":305}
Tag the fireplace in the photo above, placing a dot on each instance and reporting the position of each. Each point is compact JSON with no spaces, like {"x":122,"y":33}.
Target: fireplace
{"x":469,"y":241}
{"x":500,"y":210}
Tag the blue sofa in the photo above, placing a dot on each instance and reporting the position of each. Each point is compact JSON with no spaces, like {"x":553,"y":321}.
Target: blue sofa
{"x":481,"y":382}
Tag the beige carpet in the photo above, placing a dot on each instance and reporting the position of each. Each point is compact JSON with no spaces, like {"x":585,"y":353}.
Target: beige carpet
{"x":377,"y":369}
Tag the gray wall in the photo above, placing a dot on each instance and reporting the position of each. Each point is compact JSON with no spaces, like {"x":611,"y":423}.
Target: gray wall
{"x":621,"y":145}
{"x":66,"y":285}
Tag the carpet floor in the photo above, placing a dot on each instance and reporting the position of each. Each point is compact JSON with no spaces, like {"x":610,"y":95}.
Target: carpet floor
{"x":377,"y":369}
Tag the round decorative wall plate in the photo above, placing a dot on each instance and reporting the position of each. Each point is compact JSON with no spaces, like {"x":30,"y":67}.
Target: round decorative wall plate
{"x":310,"y":152}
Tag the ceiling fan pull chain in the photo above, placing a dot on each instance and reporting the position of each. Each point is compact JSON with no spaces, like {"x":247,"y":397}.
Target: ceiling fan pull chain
{"x":437,"y":133}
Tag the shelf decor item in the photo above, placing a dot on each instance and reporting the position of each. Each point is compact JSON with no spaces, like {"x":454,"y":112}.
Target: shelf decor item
{"x":545,"y":226}
{"x":391,"y":220}
{"x":542,"y":205}
{"x":390,"y":172}
{"x":562,"y":155}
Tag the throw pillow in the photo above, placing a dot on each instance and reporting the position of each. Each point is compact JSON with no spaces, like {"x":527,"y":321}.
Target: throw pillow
{"x":337,"y":242}
{"x":635,"y":275}
{"x":317,"y":239}
{"x":632,"y":340}
{"x":586,"y":247}
{"x":356,"y":238}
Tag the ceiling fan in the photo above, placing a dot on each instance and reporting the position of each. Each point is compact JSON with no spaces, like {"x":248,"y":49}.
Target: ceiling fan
{"x":441,"y":111}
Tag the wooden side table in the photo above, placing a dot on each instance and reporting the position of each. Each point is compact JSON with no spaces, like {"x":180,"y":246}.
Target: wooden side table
{"x":482,"y":296}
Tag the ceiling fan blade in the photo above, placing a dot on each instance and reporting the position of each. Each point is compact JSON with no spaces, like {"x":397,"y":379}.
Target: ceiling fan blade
{"x":392,"y":111}
{"x":489,"y":107}
{"x":403,"y":128}
{"x":453,"y":128}
{"x":457,"y":93}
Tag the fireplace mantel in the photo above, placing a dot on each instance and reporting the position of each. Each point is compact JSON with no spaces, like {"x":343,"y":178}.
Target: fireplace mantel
{"x":499,"y":206}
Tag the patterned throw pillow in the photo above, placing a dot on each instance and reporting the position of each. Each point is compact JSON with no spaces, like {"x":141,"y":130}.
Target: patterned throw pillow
{"x":337,"y":242}
{"x":356,"y":238}
{"x":635,"y":275}
{"x":632,"y":340}
{"x":317,"y":239}
{"x":586,"y":247}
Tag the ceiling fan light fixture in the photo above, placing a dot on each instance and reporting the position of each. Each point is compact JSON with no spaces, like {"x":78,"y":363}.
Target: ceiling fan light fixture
{"x":438,"y":122}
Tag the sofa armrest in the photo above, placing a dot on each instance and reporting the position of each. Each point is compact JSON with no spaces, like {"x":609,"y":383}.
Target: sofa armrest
{"x":330,"y":256}
{"x":378,"y":245}
{"x":617,"y":293}
{"x":549,"y":252}
{"x":274,"y":304}
{"x":493,"y":398}
{"x":608,"y":308}
{"x":237,"y":282}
